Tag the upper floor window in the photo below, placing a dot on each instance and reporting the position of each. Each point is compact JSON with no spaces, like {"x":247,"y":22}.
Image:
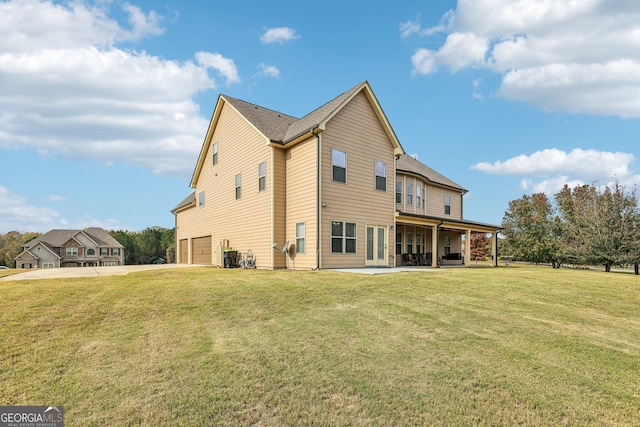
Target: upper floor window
{"x":339,"y":162}
{"x":238,"y":186}
{"x":104,"y":251}
{"x":201,"y":199}
{"x":419,"y":198}
{"x":215,"y":153}
{"x":91,"y":252}
{"x":447,"y":205}
{"x":398,"y":191}
{"x":262,"y":176}
{"x":115,"y":251}
{"x":72,"y":251}
{"x":409,"y":193}
{"x":300,"y":237}
{"x":343,"y":237}
{"x":381,"y":175}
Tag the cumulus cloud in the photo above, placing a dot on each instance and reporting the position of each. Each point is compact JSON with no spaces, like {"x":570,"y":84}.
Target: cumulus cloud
{"x":69,"y":90}
{"x":268,"y":71}
{"x":559,"y":55}
{"x":278,"y":35}
{"x":17,"y":214}
{"x":553,"y":168}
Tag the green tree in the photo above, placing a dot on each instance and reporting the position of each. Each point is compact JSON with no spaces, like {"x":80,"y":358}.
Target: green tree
{"x":530,"y":229}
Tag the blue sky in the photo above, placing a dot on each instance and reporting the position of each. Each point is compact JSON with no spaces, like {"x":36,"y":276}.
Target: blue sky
{"x":104,"y":105}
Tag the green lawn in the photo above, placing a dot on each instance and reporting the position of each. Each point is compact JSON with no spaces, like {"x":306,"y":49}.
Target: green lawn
{"x":478,"y":346}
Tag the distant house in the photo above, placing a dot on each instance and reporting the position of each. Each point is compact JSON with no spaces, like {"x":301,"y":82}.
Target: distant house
{"x":91,"y":247}
{"x":336,"y":184}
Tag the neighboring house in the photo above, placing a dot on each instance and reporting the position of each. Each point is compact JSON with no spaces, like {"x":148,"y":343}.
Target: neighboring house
{"x":91,"y":247}
{"x":335,"y":184}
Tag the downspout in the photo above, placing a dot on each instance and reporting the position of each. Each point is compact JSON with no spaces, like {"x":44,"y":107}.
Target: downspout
{"x":318,"y":198}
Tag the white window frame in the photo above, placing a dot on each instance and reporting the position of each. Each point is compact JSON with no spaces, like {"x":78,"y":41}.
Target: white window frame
{"x":301,"y":234}
{"x":201,"y":199}
{"x":419,"y":199}
{"x":399,"y":185}
{"x":115,"y":251}
{"x":238,"y":186}
{"x":338,"y":164}
{"x":90,"y":249}
{"x":214,"y":149}
{"x":410,"y":242}
{"x":71,"y":251}
{"x":344,"y":238}
{"x":447,"y":205}
{"x":262,"y":176}
{"x":383,"y":170}
{"x":409,"y":194}
{"x":104,"y":251}
{"x":48,"y":265}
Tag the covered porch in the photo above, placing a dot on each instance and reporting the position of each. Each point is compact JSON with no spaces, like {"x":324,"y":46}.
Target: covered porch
{"x":429,"y":241}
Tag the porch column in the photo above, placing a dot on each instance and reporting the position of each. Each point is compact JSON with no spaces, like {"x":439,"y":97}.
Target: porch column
{"x":494,"y":248}
{"x":467,"y":249}
{"x":434,"y":247}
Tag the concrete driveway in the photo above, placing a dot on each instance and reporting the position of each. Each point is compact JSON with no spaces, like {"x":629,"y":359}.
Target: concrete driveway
{"x":61,"y":273}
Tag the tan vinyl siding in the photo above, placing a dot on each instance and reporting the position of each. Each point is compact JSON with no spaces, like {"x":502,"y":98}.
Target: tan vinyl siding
{"x":246,"y":222}
{"x":435,"y":202}
{"x":356,"y":131}
{"x":279,"y":177}
{"x":201,"y":250}
{"x":184,"y":251}
{"x":404,"y":206}
{"x":301,"y":200}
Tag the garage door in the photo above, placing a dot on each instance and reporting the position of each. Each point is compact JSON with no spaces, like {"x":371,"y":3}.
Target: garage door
{"x":184,"y":251}
{"x":201,"y":250}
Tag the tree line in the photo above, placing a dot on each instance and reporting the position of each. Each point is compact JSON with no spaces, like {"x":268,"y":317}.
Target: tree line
{"x":140,"y":247}
{"x":583,"y":225}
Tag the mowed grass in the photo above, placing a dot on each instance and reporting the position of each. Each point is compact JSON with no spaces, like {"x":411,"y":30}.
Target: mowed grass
{"x":202,"y":347}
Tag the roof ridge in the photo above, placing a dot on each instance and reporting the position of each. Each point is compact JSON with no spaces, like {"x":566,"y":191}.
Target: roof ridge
{"x":259,"y":106}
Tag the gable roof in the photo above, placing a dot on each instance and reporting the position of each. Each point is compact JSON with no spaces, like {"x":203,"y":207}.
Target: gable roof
{"x":281,"y":129}
{"x":56,"y":238}
{"x":406,"y":163}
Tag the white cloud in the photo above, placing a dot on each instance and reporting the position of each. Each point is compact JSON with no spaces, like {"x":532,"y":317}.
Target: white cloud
{"x":268,"y":71}
{"x":579,"y":56}
{"x":17,"y":214}
{"x":553,"y":168}
{"x":278,"y":35}
{"x":591,"y":163}
{"x":56,"y":198}
{"x":68,"y":90}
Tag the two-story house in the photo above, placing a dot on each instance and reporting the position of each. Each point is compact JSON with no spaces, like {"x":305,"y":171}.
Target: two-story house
{"x":334,"y":186}
{"x":91,"y":247}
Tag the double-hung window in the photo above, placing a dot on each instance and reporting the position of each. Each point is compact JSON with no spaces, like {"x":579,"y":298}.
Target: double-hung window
{"x":238,"y":186}
{"x":409,"y":243}
{"x":201,"y":199}
{"x":214,"y":148}
{"x":339,"y":163}
{"x":343,"y":237}
{"x":447,"y":205}
{"x":381,"y":175}
{"x":419,"y":196}
{"x":409,"y":193}
{"x":104,"y":251}
{"x":447,"y":245}
{"x":262,"y":176}
{"x":71,"y":251}
{"x":300,"y":237}
{"x":115,"y":251}
{"x":398,"y":243}
{"x":398,"y":191}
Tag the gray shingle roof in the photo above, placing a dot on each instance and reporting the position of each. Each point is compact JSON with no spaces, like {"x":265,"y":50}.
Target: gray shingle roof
{"x":281,"y":127}
{"x":272,"y":124}
{"x":56,"y":238}
{"x":190,"y":199}
{"x":407,"y":163}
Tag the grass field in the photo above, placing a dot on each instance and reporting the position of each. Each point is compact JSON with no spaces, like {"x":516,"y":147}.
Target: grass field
{"x":191,"y":347}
